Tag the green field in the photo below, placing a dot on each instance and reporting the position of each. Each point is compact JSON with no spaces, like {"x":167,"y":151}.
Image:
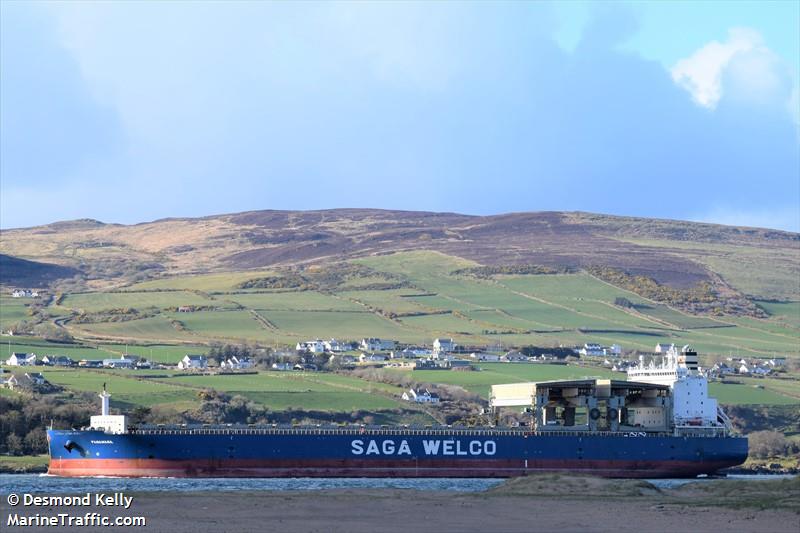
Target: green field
{"x":12,"y":310}
{"x":226,"y":281}
{"x":157,"y":328}
{"x":296,"y":301}
{"x":568,"y":309}
{"x":280,"y":391}
{"x":784,"y":312}
{"x":42,"y":348}
{"x":98,"y":301}
{"x":490,"y":374}
{"x":157,"y":352}
{"x":127,"y":390}
{"x":747,"y":394}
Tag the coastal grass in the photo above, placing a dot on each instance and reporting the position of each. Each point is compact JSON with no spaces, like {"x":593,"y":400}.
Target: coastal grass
{"x":23,"y":463}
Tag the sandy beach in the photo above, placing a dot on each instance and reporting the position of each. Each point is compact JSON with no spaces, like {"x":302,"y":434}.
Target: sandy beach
{"x":545,"y":504}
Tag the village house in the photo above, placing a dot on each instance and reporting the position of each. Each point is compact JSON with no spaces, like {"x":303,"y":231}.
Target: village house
{"x":615,"y":350}
{"x":282,"y":367}
{"x":441,"y":346}
{"x":25,"y":293}
{"x":236,"y":363}
{"x":429,"y":364}
{"x":36,"y":378}
{"x":57,"y":360}
{"x":514,"y":357}
{"x":420,"y":396}
{"x":315,"y":346}
{"x":193,"y":362}
{"x":459,"y":364}
{"x":663,"y":348}
{"x":21,"y":359}
{"x":90,"y":363}
{"x":30,"y":381}
{"x":372,"y":358}
{"x":336,"y":346}
{"x":486,"y":357}
{"x":377,"y":345}
{"x":122,"y":362}
{"x":592,"y":349}
{"x":761,"y":371}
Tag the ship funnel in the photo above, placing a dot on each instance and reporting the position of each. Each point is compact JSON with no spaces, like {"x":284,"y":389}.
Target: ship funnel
{"x":104,"y":397}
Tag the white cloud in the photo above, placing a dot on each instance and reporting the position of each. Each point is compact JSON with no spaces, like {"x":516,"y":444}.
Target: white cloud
{"x":742,"y":70}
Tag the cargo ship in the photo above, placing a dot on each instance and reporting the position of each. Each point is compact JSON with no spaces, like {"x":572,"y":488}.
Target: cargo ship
{"x":662,"y":424}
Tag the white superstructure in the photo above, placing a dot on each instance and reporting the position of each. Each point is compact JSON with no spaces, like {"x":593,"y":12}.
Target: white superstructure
{"x":691,"y":405}
{"x":108,"y":422}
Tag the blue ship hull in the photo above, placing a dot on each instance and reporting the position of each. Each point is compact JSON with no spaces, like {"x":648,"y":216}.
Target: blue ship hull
{"x":353,"y":452}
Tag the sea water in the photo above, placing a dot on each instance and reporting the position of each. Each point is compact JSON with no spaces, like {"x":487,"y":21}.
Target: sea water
{"x":30,"y":483}
{"x":42,"y":483}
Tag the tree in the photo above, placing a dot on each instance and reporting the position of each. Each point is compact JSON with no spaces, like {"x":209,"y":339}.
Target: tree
{"x":623,"y":302}
{"x":14,"y":444}
{"x":765,"y":444}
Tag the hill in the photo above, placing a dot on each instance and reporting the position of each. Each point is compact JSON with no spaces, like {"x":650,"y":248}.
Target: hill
{"x":522,"y":278}
{"x":675,"y":253}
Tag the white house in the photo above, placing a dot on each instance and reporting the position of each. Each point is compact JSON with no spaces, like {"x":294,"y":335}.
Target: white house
{"x":21,"y":359}
{"x":36,"y":378}
{"x":420,"y":396}
{"x":372,"y":358}
{"x":744,"y":369}
{"x":24,"y":293}
{"x":57,"y":360}
{"x":487,"y":357}
{"x":122,"y":362}
{"x":282,"y":367}
{"x":592,"y":349}
{"x":335,"y":346}
{"x":193,"y":362}
{"x":514,"y":357}
{"x":663,"y":348}
{"x":315,"y":346}
{"x":615,"y":350}
{"x":236,"y":363}
{"x":377,"y":345}
{"x":443,"y":346}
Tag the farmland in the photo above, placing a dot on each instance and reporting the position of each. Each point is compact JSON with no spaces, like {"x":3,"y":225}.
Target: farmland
{"x":541,"y":309}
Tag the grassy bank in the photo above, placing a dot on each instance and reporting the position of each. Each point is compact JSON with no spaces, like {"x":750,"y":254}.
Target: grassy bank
{"x":23,"y":464}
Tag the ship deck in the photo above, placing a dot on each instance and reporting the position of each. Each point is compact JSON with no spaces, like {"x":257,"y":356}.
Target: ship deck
{"x":414,"y":431}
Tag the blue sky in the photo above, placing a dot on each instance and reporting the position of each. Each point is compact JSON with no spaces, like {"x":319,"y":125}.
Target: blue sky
{"x":128,"y":112}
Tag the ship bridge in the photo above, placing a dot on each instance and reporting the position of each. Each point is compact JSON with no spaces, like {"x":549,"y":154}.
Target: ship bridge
{"x":589,"y":404}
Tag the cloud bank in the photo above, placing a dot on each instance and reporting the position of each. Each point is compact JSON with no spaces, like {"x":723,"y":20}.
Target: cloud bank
{"x":141,"y":111}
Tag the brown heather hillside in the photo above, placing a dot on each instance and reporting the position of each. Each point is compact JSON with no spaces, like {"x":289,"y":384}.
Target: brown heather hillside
{"x":758,"y":263}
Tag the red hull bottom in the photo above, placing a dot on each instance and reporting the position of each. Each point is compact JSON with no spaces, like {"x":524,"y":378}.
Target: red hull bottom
{"x":233,"y":468}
